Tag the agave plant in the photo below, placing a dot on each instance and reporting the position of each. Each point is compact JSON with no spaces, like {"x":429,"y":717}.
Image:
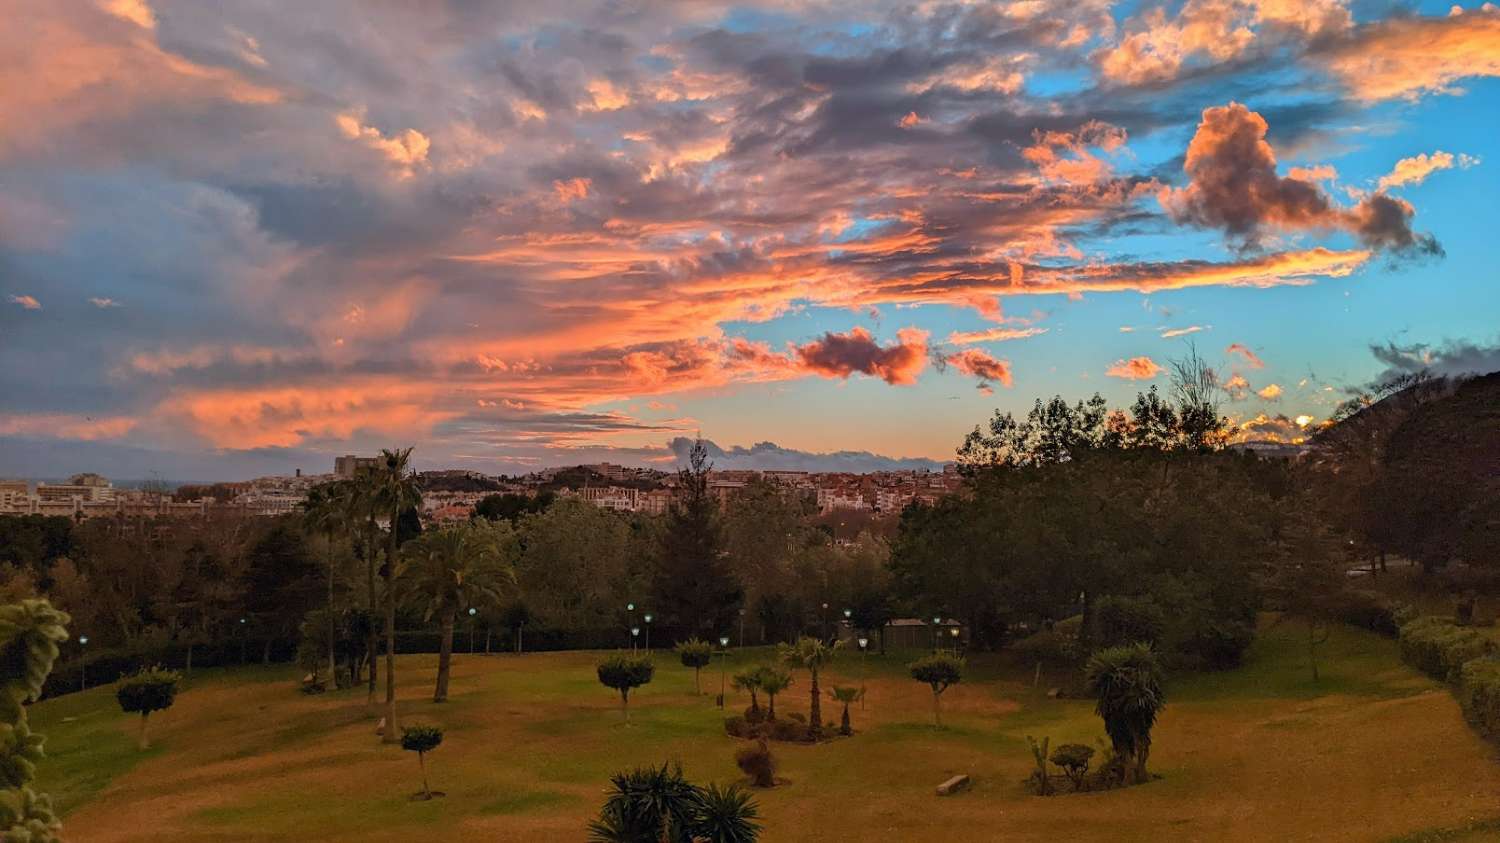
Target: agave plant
{"x":659,"y":805}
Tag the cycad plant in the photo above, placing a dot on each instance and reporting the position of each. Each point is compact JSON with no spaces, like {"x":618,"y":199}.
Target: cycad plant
{"x":659,"y":805}
{"x":772,"y":680}
{"x":1127,"y":686}
{"x":846,"y":694}
{"x":749,"y":681}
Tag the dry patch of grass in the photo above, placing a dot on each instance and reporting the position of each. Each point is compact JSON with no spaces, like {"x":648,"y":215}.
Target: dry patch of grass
{"x":1371,"y":752}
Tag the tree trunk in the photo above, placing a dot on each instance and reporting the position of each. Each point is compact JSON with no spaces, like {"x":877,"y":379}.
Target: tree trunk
{"x":189,"y":668}
{"x":445,"y":658}
{"x":422,"y":762}
{"x":390,"y":631}
{"x":698,"y":680}
{"x":625,"y":705}
{"x":265,"y":653}
{"x":770,"y":706}
{"x":844,"y":724}
{"x":1312,"y":650}
{"x":370,"y":634}
{"x":815,"y":711}
{"x":144,"y":742}
{"x":937,"y":709}
{"x":333,"y":658}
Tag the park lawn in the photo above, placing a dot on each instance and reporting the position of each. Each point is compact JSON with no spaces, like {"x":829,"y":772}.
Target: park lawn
{"x":1372,"y":752}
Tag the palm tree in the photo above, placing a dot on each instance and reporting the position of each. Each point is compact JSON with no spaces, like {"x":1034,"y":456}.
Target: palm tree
{"x":454,"y":568}
{"x":396,"y":489}
{"x":846,"y":694}
{"x":360,"y":500}
{"x":772,"y":680}
{"x":1126,"y":684}
{"x":749,"y":681}
{"x":811,"y":654}
{"x":323,"y":512}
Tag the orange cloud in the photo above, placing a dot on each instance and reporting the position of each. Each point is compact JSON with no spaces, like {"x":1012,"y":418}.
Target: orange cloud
{"x":572,"y":189}
{"x":993,"y":335}
{"x":1181,"y":332}
{"x":1416,"y":169}
{"x":1271,"y":392}
{"x":1250,"y":356}
{"x":981,"y":365}
{"x":406,"y":151}
{"x":1136,"y":368}
{"x":1407,"y":57}
{"x":840,"y":355}
{"x":65,"y":426}
{"x":26,"y":302}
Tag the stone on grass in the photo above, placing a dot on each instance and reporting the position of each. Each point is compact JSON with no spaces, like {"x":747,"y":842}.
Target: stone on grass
{"x":953,"y":785}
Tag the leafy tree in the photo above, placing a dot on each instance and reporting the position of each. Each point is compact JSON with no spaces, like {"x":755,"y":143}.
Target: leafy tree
{"x":693,"y":584}
{"x":697,"y":654}
{"x":772,"y":680}
{"x":812,"y":655}
{"x":454,"y":568}
{"x":281,"y":583}
{"x":396,"y":488}
{"x":574,"y":565}
{"x":1128,"y":620}
{"x":422,"y":740}
{"x":29,"y":634}
{"x":846,"y":694}
{"x":148,"y":690}
{"x":513,"y":507}
{"x":1074,"y":759}
{"x":1127,"y":686}
{"x":939,"y":671}
{"x":625,"y":673}
{"x":659,"y":805}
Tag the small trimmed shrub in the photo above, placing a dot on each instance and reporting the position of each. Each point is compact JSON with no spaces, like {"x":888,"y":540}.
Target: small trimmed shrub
{"x":939,"y":671}
{"x":1479,"y":693}
{"x":1367,"y":610}
{"x":793,"y":730}
{"x":151,"y":689}
{"x":1439,"y":648}
{"x":1074,"y":760}
{"x":1122,"y":620}
{"x":696,"y":654}
{"x":625,"y":673}
{"x":756,"y":762}
{"x":422,"y":740}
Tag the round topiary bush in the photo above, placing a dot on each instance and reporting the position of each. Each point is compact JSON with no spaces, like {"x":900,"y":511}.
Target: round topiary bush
{"x":422,"y":740}
{"x":625,"y":673}
{"x":150,"y":689}
{"x":939,"y":671}
{"x":1074,"y":759}
{"x":697,"y":655}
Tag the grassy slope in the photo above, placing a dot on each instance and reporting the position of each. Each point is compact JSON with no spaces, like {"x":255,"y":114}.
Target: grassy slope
{"x":1372,"y":752}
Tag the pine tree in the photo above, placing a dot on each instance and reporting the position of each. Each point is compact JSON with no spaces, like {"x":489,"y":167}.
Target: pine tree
{"x":29,"y":635}
{"x":695,"y":589}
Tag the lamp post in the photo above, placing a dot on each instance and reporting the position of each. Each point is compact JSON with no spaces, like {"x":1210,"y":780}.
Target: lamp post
{"x":723,"y":657}
{"x":864,"y":650}
{"x":635,"y":632}
{"x":954,"y":632}
{"x":742,"y":626}
{"x":83,"y":663}
{"x":630,"y":608}
{"x":243,"y":633}
{"x":472,"y":612}
{"x":936,"y":620}
{"x":848,"y":616}
{"x":825,"y":620}
{"x":648,"y":633}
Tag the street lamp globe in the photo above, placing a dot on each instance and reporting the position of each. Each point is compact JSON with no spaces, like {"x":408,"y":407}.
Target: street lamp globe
{"x":630,"y":607}
{"x":473,"y":611}
{"x":723,"y":640}
{"x":936,"y":620}
{"x":848,"y":613}
{"x":648,"y":619}
{"x":863,"y":642}
{"x":83,"y":639}
{"x":954,"y":630}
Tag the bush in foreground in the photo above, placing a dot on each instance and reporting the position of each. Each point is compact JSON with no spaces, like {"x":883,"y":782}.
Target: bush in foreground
{"x":624,"y":674}
{"x":1479,"y":692}
{"x":29,"y":634}
{"x":659,"y":805}
{"x":151,"y":689}
{"x":1439,"y":648}
{"x":1127,"y":686}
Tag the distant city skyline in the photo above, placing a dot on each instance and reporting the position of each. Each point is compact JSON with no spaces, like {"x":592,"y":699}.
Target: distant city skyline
{"x":240,"y":240}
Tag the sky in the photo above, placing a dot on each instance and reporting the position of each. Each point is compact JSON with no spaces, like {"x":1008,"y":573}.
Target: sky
{"x":238,"y":239}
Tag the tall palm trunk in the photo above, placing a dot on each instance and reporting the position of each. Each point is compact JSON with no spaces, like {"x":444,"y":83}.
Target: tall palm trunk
{"x":445,"y":657}
{"x":370,"y":633}
{"x":333,"y":659}
{"x":390,"y":632}
{"x":815,"y":711}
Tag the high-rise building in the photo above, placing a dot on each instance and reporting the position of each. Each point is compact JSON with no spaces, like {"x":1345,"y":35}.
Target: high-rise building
{"x":349,"y":464}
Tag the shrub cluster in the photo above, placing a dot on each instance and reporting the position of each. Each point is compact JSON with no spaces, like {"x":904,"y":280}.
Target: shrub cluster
{"x":1368,"y":610}
{"x":1479,"y":693}
{"x":1439,"y":648}
{"x":789,"y":729}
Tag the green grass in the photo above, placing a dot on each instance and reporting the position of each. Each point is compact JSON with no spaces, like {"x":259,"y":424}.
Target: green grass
{"x":532,"y":741}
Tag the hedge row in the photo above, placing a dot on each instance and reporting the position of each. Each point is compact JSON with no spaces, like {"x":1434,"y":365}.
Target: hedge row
{"x":1439,"y":648}
{"x":105,"y":666}
{"x":1479,"y":693}
{"x":1462,"y":656}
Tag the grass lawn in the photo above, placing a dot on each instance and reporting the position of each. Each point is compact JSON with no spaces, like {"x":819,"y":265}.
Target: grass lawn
{"x":1372,"y":752}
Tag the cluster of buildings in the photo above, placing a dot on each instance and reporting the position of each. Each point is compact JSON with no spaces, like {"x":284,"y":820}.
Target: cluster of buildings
{"x":453,"y":494}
